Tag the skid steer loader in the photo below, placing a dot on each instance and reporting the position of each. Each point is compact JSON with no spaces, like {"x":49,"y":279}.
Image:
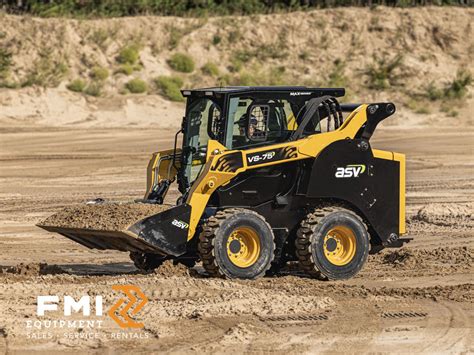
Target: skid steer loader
{"x":268,"y":175}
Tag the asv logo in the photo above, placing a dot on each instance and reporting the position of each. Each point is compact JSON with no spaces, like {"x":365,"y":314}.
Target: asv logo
{"x":261,"y":157}
{"x":179,"y":224}
{"x":350,"y":171}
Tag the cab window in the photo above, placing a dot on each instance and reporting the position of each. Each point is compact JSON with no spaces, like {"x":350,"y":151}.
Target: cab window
{"x":204,"y":123}
{"x":254,"y":122}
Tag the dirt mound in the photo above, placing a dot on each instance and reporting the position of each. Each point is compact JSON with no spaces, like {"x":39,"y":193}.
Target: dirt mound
{"x":241,"y":333}
{"x":451,"y":215}
{"x":458,"y":293}
{"x":32,"y":269}
{"x":422,"y":258}
{"x":169,"y":269}
{"x":302,"y":287}
{"x":109,"y":216}
{"x":357,"y":48}
{"x":59,"y":107}
{"x":399,"y":257}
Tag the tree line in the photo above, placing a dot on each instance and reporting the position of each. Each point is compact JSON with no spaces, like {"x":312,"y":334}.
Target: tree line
{"x":117,"y":8}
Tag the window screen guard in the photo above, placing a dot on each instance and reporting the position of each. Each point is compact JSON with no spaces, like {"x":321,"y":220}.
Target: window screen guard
{"x":258,"y":122}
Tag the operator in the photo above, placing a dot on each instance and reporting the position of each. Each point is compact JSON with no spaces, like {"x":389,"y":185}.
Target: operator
{"x":247,"y":130}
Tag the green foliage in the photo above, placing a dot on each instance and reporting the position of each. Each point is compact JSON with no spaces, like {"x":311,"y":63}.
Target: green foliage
{"x":276,"y":76}
{"x":127,"y":69}
{"x":9,"y":84}
{"x":99,"y":73}
{"x":374,"y":25}
{"x":447,"y":107}
{"x":129,"y":55}
{"x":238,"y":59}
{"x":170,"y":86}
{"x":418,"y":106}
{"x":6,"y":63}
{"x":94,"y":89}
{"x":434,"y":93}
{"x":224,"y":80}
{"x":136,"y":86}
{"x":246,"y":79}
{"x":216,"y":39}
{"x":423,"y":110}
{"x":383,"y":73}
{"x":77,"y":85}
{"x":456,"y":89}
{"x":234,"y":36}
{"x":100,"y":37}
{"x":274,"y":50}
{"x":48,"y":70}
{"x":181,"y":62}
{"x":243,"y":56}
{"x":113,"y":8}
{"x":5,"y":66}
{"x":210,"y":69}
{"x":175,"y":33}
{"x":337,"y":77}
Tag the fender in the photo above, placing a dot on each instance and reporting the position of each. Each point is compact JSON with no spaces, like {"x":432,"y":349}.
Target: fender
{"x":372,"y":181}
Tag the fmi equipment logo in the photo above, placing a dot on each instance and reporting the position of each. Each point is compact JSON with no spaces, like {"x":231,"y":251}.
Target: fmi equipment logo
{"x":91,"y":311}
{"x":350,"y":171}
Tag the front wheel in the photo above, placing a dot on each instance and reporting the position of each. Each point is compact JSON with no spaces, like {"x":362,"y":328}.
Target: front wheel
{"x":236,"y":243}
{"x":332,"y":243}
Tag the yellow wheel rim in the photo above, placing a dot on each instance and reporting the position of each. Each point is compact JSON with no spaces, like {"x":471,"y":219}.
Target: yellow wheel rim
{"x":340,"y":245}
{"x":243,"y":247}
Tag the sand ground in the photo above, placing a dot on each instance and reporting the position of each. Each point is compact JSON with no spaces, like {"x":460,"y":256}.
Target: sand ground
{"x":417,"y":299}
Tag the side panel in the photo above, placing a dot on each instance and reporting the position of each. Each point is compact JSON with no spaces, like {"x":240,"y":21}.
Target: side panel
{"x":401,"y":160}
{"x":346,"y":172}
{"x":269,"y":191}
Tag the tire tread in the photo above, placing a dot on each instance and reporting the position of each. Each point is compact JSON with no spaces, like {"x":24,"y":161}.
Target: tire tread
{"x":207,"y":237}
{"x":304,"y":238}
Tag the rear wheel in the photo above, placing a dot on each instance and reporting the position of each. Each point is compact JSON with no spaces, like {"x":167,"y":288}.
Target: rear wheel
{"x":332,"y":243}
{"x":236,"y":243}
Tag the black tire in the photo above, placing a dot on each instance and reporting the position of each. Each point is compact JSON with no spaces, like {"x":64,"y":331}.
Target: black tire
{"x":311,"y":249}
{"x":213,"y":244}
{"x":147,"y":262}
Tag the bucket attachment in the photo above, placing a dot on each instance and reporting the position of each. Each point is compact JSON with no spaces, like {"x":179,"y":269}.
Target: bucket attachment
{"x":164,"y":233}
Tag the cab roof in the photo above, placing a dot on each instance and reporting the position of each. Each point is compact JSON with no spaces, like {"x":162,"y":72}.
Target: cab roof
{"x":291,"y":90}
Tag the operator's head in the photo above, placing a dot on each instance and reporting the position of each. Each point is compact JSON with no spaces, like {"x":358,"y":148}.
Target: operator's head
{"x":244,"y":123}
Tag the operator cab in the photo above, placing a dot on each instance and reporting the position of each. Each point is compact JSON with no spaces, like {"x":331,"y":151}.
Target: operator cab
{"x":241,"y":118}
